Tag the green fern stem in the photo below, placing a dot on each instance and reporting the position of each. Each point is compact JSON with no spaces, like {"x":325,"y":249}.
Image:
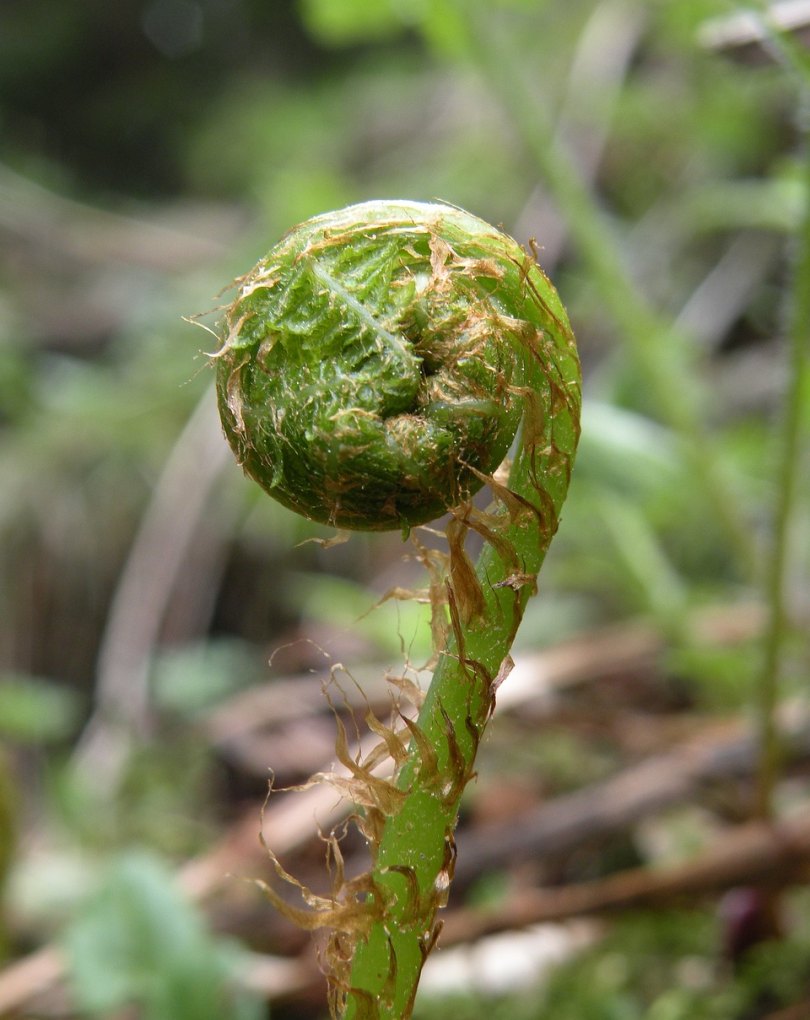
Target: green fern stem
{"x":415,"y":855}
{"x":373,"y":373}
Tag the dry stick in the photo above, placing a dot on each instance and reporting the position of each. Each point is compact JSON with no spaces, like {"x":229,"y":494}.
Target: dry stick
{"x":161,"y":546}
{"x":776,"y":855}
{"x":80,"y":232}
{"x":619,"y":802}
{"x":34,"y":974}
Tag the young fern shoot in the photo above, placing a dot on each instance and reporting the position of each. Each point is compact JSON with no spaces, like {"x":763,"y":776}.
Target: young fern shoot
{"x":374,"y":369}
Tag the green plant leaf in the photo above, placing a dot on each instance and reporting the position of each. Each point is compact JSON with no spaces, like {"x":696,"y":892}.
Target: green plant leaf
{"x":137,"y":941}
{"x":33,"y":709}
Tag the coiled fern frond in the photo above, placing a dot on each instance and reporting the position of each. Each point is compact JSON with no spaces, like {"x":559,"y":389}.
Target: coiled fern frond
{"x":373,"y":372}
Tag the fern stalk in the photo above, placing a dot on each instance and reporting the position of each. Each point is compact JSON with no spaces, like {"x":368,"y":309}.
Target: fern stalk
{"x":793,"y":432}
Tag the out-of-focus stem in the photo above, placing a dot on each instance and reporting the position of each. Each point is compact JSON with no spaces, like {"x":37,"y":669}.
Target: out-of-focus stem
{"x":794,"y":424}
{"x":656,"y":349}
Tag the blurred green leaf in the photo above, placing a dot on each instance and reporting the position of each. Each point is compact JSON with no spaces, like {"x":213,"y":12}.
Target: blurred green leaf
{"x":720,"y":678}
{"x":628,"y":450}
{"x":393,"y":626}
{"x":340,"y":22}
{"x":139,"y":942}
{"x":33,"y":709}
{"x":195,"y":676}
{"x":663,"y":593}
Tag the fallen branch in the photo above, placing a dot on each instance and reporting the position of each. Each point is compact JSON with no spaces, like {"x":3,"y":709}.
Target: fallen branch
{"x":757,"y":854}
{"x":617,"y":803}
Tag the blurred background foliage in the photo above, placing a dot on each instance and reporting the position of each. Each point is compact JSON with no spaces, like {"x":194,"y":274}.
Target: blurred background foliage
{"x":152,"y":151}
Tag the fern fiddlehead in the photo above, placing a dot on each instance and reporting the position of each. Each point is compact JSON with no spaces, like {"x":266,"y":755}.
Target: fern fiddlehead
{"x":373,"y":372}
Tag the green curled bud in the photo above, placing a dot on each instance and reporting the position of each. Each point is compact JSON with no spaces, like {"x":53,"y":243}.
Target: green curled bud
{"x":373,"y":365}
